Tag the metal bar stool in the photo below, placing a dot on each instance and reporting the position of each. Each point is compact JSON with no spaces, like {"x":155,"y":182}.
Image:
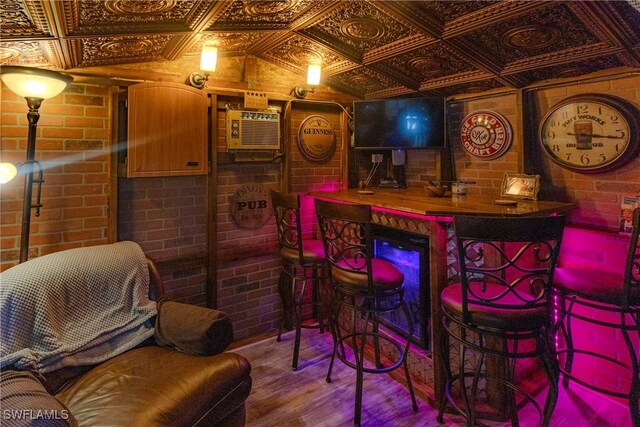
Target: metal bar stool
{"x":303,"y":262}
{"x":500,"y":311}
{"x":603,"y":293}
{"x":365,"y":287}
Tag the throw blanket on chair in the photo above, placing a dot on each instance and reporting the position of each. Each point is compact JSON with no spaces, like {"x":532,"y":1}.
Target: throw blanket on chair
{"x":75,"y":307}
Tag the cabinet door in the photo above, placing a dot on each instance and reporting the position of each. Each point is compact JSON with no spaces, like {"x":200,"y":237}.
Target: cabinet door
{"x":167,"y":130}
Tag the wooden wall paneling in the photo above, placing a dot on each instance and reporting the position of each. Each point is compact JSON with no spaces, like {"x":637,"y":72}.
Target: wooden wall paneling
{"x":112,"y":169}
{"x":212,"y":205}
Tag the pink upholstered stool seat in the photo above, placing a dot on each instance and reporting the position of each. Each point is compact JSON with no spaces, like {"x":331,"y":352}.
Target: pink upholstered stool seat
{"x":604,"y":286}
{"x":312,"y":251}
{"x":494,"y":317}
{"x":384,"y":274}
{"x":303,"y":261}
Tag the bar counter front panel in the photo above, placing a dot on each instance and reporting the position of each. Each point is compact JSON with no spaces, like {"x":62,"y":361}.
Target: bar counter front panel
{"x":412,"y":208}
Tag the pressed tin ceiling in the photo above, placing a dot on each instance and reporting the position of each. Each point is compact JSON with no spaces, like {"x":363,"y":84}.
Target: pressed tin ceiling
{"x":370,"y":49}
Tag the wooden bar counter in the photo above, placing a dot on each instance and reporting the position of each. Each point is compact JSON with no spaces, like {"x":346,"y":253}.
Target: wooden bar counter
{"x":396,"y":207}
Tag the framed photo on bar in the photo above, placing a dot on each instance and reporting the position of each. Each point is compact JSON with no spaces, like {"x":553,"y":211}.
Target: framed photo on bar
{"x":519,"y":186}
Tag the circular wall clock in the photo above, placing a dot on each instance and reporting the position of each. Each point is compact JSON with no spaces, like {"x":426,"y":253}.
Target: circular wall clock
{"x":486,"y":134}
{"x":591,"y":133}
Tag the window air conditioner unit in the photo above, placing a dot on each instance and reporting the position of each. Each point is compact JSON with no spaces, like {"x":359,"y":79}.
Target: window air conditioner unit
{"x":253,"y":130}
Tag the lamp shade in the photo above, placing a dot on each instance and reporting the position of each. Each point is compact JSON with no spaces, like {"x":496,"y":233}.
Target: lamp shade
{"x":34,"y":82}
{"x":209,"y":57}
{"x":7,"y":172}
{"x":313,"y":74}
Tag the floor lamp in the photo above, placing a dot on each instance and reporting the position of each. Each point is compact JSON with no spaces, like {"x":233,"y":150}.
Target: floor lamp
{"x":35,"y":85}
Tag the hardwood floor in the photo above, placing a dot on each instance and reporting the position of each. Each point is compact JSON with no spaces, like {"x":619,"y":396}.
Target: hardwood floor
{"x":281,"y":397}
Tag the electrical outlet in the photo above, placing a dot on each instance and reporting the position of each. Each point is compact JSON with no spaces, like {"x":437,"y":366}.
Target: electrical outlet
{"x":376,"y":158}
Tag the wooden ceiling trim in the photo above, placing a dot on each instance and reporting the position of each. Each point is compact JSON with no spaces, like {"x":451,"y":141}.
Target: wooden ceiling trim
{"x":201,"y":19}
{"x":491,"y":15}
{"x":422,"y":21}
{"x":611,"y":23}
{"x":341,"y":49}
{"x":562,"y":57}
{"x":396,"y":48}
{"x":54,"y":13}
{"x":316,"y":12}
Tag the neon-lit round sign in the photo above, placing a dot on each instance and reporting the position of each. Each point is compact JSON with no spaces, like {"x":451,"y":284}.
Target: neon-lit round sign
{"x":486,"y":134}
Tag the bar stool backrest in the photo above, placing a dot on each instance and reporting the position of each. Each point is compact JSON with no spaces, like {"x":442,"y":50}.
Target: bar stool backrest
{"x":632,"y":266}
{"x":346,"y":235}
{"x":507,"y":263}
{"x":286,"y":208}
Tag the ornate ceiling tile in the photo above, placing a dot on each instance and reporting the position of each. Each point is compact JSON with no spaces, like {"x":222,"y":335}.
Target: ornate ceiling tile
{"x":368,"y":47}
{"x":361,"y":81}
{"x":229,"y":43}
{"x":244,"y":14}
{"x":360,"y":27}
{"x":551,"y":29}
{"x":427,"y":63}
{"x":448,"y":10}
{"x":110,"y":50}
{"x":27,"y":53}
{"x":298,"y":51}
{"x":127,"y":16}
{"x":22,"y":19}
{"x":571,"y":69}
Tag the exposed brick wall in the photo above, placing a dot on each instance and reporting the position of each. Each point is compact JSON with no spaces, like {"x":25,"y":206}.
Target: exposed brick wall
{"x":248,"y":266}
{"x":167,"y":216}
{"x":248,"y":263}
{"x":72,"y":145}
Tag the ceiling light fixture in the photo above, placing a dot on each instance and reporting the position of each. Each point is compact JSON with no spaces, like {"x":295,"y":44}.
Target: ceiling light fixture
{"x":208,"y":62}
{"x":35,"y":85}
{"x":313,"y":80}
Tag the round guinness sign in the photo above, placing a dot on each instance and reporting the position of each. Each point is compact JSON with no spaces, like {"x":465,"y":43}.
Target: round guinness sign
{"x":486,"y":134}
{"x":316,"y":138}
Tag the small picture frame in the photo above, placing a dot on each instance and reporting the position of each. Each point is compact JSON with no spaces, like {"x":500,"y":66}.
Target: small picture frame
{"x":520,"y":186}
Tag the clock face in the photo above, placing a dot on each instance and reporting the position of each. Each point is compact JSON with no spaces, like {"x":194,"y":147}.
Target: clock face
{"x":590,"y":133}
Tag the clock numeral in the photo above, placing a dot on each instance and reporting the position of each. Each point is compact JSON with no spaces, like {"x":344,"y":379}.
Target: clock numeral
{"x":603,"y":158}
{"x":599,"y":111}
{"x":617,"y":148}
{"x":615,"y":119}
{"x":584,"y":159}
{"x":620,"y":133}
{"x":551,"y":134}
{"x":582,"y":108}
{"x":565,"y":114}
{"x":568,"y":157}
{"x":555,"y":148}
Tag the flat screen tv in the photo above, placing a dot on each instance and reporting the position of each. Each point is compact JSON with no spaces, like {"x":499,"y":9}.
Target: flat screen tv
{"x":399,"y":123}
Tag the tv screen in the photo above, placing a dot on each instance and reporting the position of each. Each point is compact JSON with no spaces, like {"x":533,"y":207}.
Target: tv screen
{"x":407,"y":123}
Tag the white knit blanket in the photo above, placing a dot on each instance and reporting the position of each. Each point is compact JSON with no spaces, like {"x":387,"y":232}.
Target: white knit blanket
{"x":75,"y":307}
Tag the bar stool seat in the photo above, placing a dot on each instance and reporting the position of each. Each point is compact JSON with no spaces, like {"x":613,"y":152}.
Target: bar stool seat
{"x":498,"y":315}
{"x":603,"y":286}
{"x":493,"y":317}
{"x":364,"y":288}
{"x":304,"y":269}
{"x":384,"y":275}
{"x":312,"y":251}
{"x":608,"y":300}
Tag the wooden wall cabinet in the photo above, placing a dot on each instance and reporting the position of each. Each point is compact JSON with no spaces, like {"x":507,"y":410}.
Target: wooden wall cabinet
{"x":167,"y":130}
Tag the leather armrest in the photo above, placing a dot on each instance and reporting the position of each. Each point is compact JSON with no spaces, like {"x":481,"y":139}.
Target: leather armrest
{"x":192,"y":329}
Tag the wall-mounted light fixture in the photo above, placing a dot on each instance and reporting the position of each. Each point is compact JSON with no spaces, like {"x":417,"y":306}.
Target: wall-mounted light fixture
{"x":35,"y":85}
{"x":208,"y":62}
{"x":313,"y":79}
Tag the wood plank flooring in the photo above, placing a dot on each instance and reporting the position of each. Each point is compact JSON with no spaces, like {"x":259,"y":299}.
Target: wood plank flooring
{"x":281,"y":397}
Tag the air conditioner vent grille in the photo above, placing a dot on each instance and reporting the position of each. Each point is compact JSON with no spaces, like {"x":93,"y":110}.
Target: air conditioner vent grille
{"x":250,"y":130}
